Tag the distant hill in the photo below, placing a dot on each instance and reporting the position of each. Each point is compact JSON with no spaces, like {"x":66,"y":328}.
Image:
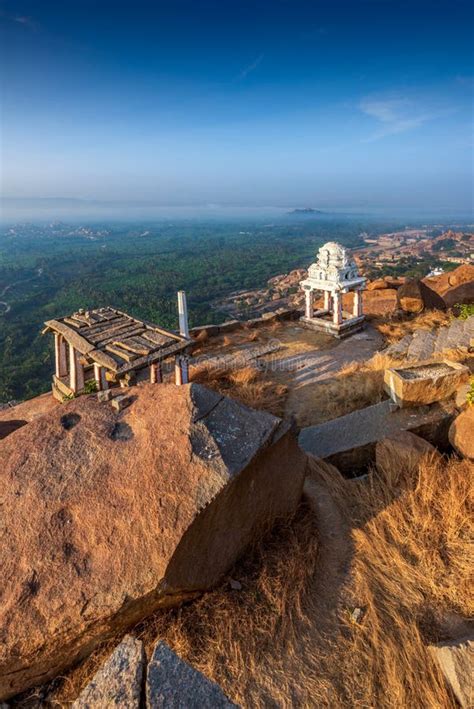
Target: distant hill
{"x":305,"y":210}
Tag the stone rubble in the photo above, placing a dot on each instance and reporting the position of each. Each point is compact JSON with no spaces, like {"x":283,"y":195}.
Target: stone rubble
{"x":423,"y":344}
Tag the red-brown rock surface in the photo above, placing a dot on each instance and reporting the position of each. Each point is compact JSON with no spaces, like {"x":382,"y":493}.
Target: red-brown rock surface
{"x":378,"y":284}
{"x":107,"y":516}
{"x":451,"y":279}
{"x":462,"y":294}
{"x":461,"y":433}
{"x":14,"y":417}
{"x":415,"y":296}
{"x":380,"y":302}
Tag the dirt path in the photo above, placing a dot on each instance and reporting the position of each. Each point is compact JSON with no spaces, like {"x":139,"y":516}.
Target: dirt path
{"x":335,"y":553}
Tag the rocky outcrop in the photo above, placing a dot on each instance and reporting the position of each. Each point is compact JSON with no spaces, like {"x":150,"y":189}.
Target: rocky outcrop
{"x":462,"y":294}
{"x":174,"y":684}
{"x":107,"y":516}
{"x":456,"y":659}
{"x":415,"y":296}
{"x":461,"y":433}
{"x":118,"y":683}
{"x":401,"y":453}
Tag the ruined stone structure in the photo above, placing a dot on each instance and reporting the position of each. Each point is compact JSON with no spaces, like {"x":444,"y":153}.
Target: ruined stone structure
{"x":334,"y":273}
{"x":109,"y":347}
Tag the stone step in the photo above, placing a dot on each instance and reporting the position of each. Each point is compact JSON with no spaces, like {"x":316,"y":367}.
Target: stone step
{"x":441,"y":339}
{"x":469,"y":326}
{"x":456,"y":335}
{"x":422,"y":345}
{"x":400,"y":348}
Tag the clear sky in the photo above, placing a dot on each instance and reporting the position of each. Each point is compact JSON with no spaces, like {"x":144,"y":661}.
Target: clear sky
{"x":281,"y":102}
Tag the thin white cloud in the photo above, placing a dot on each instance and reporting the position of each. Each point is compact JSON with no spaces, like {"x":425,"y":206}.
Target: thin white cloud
{"x":24,"y":20}
{"x":393,"y":116}
{"x":250,"y":67}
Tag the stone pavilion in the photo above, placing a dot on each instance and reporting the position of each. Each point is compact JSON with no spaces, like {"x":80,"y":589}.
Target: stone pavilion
{"x":334,"y":273}
{"x":95,"y":349}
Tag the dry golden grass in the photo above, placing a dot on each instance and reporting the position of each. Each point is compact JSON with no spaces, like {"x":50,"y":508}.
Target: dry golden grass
{"x":336,"y":397}
{"x":394,"y":329}
{"x":356,"y":385}
{"x":248,"y":385}
{"x":287,"y":638}
{"x":412,"y":574}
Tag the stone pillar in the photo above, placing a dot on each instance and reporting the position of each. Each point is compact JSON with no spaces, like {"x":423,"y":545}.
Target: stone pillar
{"x":60,"y":354}
{"x":337,"y":317}
{"x":308,"y":303}
{"x":156,"y":375}
{"x":183,"y":314}
{"x":327,"y":300}
{"x":76,"y":371}
{"x":357,"y":307}
{"x":100,"y":378}
{"x":181,"y":370}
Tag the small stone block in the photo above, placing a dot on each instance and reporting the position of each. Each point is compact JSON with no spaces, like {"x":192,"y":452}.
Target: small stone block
{"x":106,"y":395}
{"x":424,"y":383}
{"x":121,"y":402}
{"x":174,"y":684}
{"x":118,"y":683}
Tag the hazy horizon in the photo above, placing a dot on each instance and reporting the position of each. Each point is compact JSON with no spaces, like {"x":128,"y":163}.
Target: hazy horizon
{"x":363,"y":104}
{"x":71,"y":210}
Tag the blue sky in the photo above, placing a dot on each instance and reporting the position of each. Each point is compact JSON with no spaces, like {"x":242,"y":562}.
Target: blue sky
{"x":282,"y":102}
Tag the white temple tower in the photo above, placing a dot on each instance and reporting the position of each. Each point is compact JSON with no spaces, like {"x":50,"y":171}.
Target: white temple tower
{"x":334,"y":273}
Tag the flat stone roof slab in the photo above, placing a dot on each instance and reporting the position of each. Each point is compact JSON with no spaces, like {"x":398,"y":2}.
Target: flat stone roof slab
{"x":362,"y":429}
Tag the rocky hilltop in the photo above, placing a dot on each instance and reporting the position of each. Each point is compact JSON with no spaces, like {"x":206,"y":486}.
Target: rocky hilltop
{"x":232,"y":546}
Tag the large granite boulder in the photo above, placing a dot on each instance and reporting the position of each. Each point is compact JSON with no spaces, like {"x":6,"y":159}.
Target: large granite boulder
{"x":414,"y":296}
{"x":394,"y":282}
{"x":460,"y":295}
{"x":450,"y":279}
{"x":173,"y":684}
{"x":378,"y":284}
{"x":380,"y":301}
{"x":108,"y":516}
{"x":119,"y":682}
{"x":402,"y":453}
{"x":461,"y":433}
{"x":456,"y":659}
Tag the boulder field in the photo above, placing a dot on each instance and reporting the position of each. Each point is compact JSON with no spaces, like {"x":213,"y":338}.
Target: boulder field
{"x":108,"y":516}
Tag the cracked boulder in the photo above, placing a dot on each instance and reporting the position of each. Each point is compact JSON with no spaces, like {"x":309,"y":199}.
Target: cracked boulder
{"x":108,"y":516}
